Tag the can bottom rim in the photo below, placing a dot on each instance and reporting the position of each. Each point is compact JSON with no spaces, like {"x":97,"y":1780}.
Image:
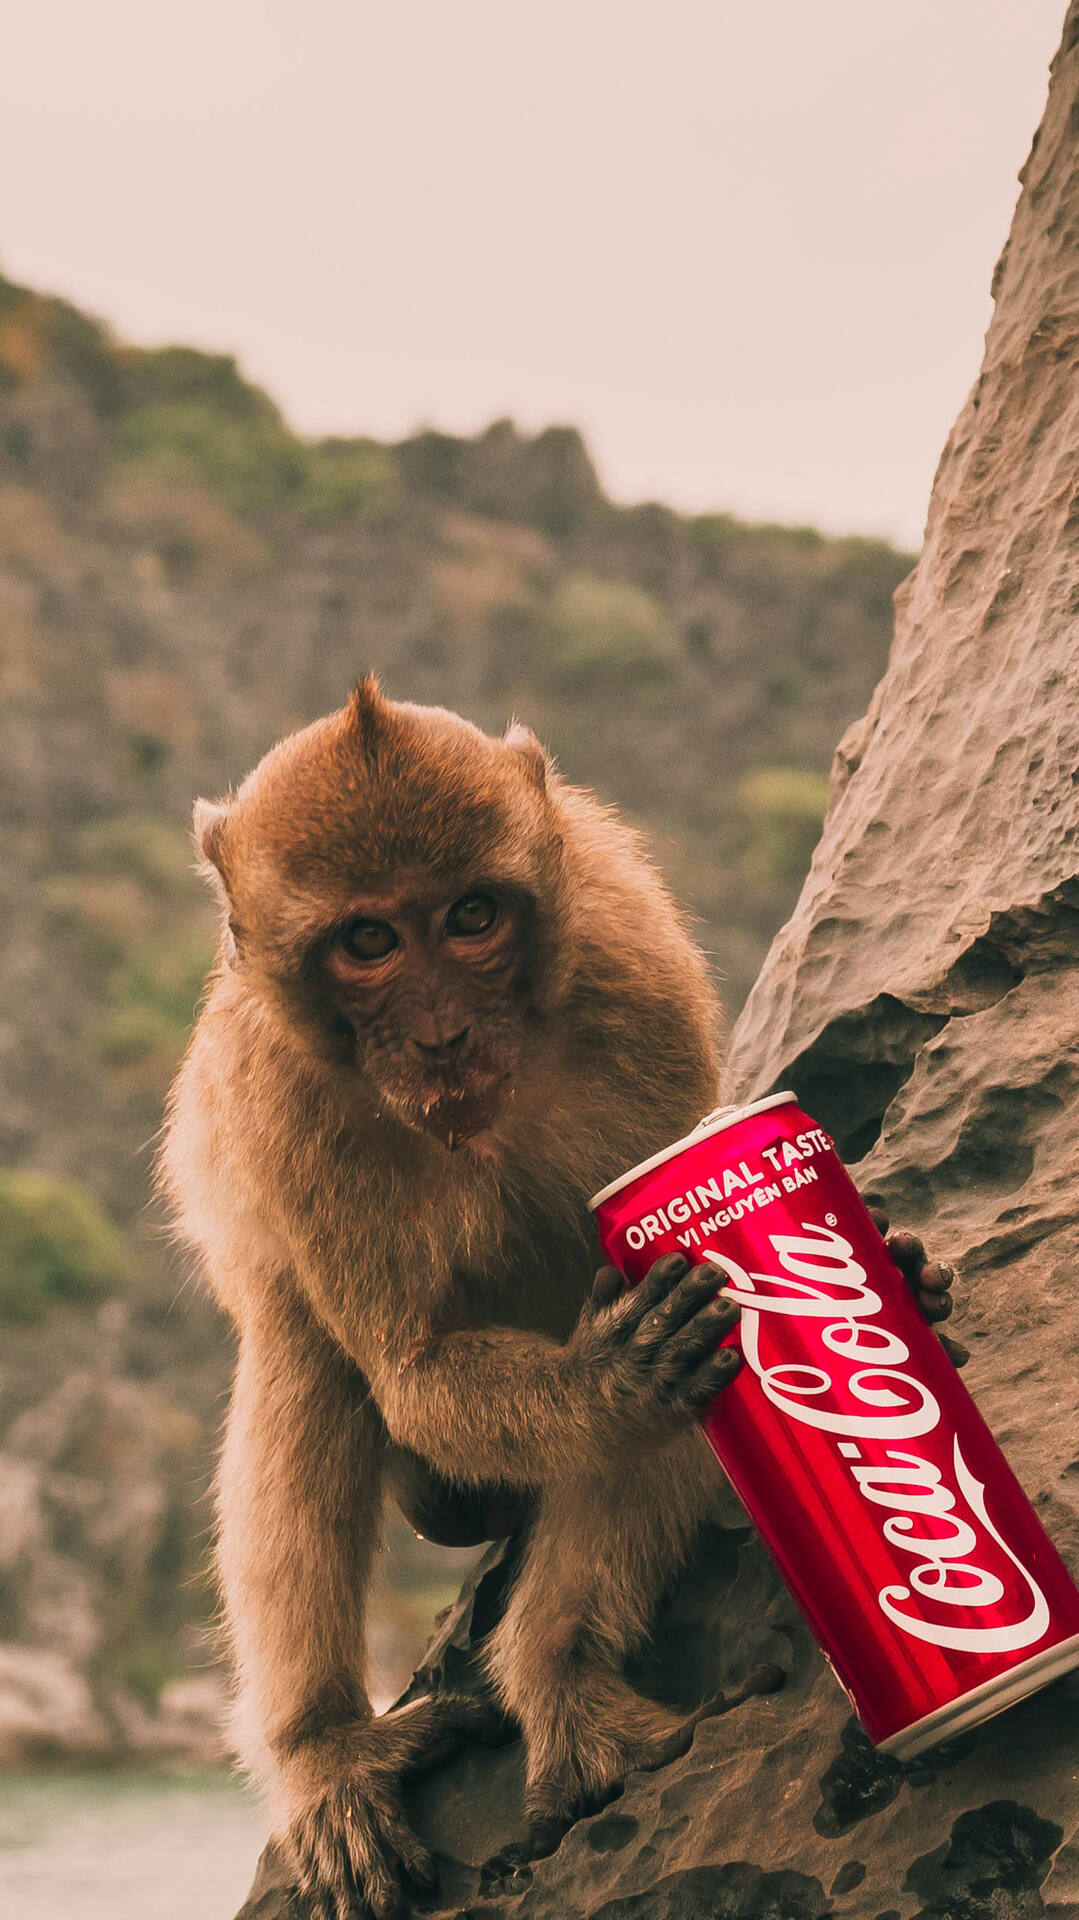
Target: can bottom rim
{"x":981,"y":1703}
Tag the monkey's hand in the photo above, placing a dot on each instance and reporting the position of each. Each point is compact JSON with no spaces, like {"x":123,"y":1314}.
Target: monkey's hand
{"x":353,"y":1847}
{"x":930,"y":1281}
{"x":646,"y":1357}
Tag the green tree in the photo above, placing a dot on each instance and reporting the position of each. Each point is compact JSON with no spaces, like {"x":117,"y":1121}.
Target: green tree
{"x":607,"y":632}
{"x":784,"y":808}
{"x":56,"y":1245}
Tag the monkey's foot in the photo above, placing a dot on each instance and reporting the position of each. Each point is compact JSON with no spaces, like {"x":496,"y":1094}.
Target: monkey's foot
{"x":596,"y":1770}
{"x":354,"y":1850}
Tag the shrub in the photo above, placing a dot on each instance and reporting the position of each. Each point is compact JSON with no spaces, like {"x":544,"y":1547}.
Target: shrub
{"x":342,"y":477}
{"x":251,"y":462}
{"x":607,"y":632}
{"x":547,"y":482}
{"x":157,"y":853}
{"x":158,"y":375}
{"x":433,"y":463}
{"x":784,"y":808}
{"x":146,"y":1669}
{"x":153,"y":994}
{"x":127,"y":1035}
{"x":100,"y":916}
{"x":56,"y":1245}
{"x":40,"y":335}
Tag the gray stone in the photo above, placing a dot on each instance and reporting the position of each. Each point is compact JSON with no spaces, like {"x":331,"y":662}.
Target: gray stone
{"x":924,"y":1003}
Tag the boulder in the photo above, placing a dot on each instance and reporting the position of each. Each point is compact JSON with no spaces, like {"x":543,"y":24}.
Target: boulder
{"x":94,"y":1504}
{"x":924,"y":1003}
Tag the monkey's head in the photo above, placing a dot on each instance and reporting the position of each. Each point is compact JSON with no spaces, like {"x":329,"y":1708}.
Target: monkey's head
{"x":391,"y":878}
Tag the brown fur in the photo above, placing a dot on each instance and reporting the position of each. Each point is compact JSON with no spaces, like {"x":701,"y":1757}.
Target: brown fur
{"x":398,"y":1301}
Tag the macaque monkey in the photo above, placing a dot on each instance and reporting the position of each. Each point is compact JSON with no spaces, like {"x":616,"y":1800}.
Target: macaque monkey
{"x":452,"y":998}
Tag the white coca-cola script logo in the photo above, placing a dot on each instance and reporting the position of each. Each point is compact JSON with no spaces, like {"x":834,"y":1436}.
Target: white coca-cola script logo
{"x":821,"y":1280}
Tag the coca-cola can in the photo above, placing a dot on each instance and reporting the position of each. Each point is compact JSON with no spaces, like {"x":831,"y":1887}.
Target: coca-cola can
{"x":860,"y":1457}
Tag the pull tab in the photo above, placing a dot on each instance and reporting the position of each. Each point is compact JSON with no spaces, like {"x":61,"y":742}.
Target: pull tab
{"x":717,"y":1113}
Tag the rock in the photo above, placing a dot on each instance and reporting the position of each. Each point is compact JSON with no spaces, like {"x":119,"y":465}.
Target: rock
{"x":94,"y":1488}
{"x":924,"y":1002}
{"x":46,"y":1709}
{"x":186,"y":1723}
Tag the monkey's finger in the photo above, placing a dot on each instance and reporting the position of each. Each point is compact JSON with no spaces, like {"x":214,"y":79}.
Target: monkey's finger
{"x":703,"y":1333}
{"x":956,"y":1352}
{"x":330,"y":1894}
{"x":907,"y":1251}
{"x":876,"y":1210}
{"x":686,"y":1349}
{"x":936,"y":1306}
{"x":717,"y":1373}
{"x":607,"y":1287}
{"x":695,"y":1290}
{"x":643,"y":1300}
{"x":417,"y":1860}
{"x":662,"y":1275}
{"x":319,"y":1857}
{"x":670,"y":1747}
{"x":937,"y":1277}
{"x":368,"y":1873}
{"x":381,"y":1889}
{"x":545,"y":1834}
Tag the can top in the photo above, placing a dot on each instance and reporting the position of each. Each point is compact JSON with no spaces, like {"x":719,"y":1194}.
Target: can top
{"x":713,"y":1122}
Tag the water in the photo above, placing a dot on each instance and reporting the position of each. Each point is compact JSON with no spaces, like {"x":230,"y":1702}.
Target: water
{"x":126,"y":1846}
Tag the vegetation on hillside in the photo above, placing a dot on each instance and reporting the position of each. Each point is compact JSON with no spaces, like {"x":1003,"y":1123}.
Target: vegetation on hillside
{"x":183,"y":579}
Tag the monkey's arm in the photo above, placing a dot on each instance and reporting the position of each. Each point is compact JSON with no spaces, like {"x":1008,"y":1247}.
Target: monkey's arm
{"x":299,"y":1498}
{"x":298,"y":1505}
{"x":498,"y":1403}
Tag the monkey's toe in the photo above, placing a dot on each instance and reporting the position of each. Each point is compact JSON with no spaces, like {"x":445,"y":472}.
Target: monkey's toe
{"x":352,"y":1852}
{"x":546,"y":1833}
{"x":507,"y":1871}
{"x":433,"y":1729}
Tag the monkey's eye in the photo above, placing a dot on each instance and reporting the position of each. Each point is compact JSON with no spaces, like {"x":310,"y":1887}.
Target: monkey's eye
{"x":475,"y":913}
{"x":367,"y":939}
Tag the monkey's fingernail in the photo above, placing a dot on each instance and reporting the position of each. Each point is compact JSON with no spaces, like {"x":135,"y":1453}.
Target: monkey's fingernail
{"x":905,"y":1246}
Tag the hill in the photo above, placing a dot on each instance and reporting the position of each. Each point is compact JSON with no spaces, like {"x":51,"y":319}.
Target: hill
{"x":183,"y":579}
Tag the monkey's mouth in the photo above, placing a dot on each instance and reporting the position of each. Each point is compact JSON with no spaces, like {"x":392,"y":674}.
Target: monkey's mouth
{"x":456,"y":1110}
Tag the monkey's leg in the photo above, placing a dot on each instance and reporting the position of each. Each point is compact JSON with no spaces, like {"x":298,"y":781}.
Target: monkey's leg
{"x":599,"y":1557}
{"x":299,"y":1495}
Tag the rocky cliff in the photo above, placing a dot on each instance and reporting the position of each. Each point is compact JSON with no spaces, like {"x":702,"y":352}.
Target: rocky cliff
{"x":924,"y":1002}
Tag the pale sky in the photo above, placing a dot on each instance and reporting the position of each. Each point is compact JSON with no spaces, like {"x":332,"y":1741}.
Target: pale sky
{"x":746,"y":247}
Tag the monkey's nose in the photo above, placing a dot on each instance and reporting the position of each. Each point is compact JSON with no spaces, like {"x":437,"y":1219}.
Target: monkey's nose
{"x":442,"y":1050}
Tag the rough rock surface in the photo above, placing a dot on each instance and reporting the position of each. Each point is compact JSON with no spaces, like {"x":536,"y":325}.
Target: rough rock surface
{"x":94,"y":1490}
{"x":924,"y":1002}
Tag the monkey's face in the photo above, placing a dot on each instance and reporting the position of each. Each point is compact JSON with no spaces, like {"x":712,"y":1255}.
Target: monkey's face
{"x":391,"y":882}
{"x":430,"y":983}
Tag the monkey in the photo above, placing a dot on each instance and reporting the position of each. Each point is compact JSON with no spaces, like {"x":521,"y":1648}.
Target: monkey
{"x":451,"y":996}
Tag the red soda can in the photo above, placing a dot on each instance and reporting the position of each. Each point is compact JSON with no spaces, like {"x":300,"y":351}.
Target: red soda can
{"x":861,"y":1459}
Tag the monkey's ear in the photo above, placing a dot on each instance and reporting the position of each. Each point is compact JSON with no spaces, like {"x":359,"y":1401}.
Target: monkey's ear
{"x":534,"y":762}
{"x":209,"y":824}
{"x":368,"y":716}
